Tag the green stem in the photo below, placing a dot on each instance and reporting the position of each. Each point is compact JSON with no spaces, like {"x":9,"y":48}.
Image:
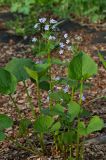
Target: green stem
{"x":42,"y":142}
{"x":15,"y":105}
{"x":72,"y":94}
{"x":38,"y":96}
{"x":25,"y":148}
{"x":82,"y":151}
{"x":50,"y":74}
{"x":78,"y":136}
{"x":22,"y":146}
{"x":30,"y":101}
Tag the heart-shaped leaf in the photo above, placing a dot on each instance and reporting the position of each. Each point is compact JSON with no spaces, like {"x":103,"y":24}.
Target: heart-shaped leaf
{"x":82,"y":67}
{"x":8,"y":82}
{"x":17,"y":67}
{"x":5,"y":122}
{"x":95,"y":124}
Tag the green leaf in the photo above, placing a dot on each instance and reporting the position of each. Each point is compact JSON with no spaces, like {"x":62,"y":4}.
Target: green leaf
{"x":44,"y":85}
{"x":95,"y":124}
{"x":82,"y":129}
{"x":43,"y":123}
{"x":102,"y":60}
{"x":2,"y":136}
{"x":23,"y":126}
{"x":32,"y":74}
{"x":84,"y":113}
{"x":5,"y":122}
{"x":8,"y":82}
{"x":82,"y":67}
{"x":58,"y":109}
{"x":55,"y":127}
{"x":73,"y":110}
{"x":68,"y":137}
{"x":42,"y":69}
{"x":17,"y":67}
{"x":60,"y":95}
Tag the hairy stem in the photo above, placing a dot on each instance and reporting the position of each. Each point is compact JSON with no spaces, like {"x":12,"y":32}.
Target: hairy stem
{"x":42,"y":142}
{"x":78,"y":136}
{"x":15,"y":105}
{"x":30,"y":101}
{"x":38,"y":96}
{"x":50,"y":74}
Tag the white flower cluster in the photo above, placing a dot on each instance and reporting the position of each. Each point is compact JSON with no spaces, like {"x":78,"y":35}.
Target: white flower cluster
{"x":46,"y":26}
{"x":65,"y":45}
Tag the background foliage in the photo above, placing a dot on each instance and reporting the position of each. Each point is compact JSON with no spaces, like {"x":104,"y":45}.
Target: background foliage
{"x":29,"y":11}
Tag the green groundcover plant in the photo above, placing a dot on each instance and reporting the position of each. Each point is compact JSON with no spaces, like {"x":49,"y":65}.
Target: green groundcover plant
{"x":64,"y":119}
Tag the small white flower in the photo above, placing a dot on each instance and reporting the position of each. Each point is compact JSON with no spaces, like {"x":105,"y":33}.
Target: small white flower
{"x":52,"y":37}
{"x":65,"y":35}
{"x":42,"y":20}
{"x":69,"y":48}
{"x":36,"y":25}
{"x":53,"y":21}
{"x":48,"y":99}
{"x":34,"y":39}
{"x":67,"y":41}
{"x":61,"y":51}
{"x":66,"y":89}
{"x":57,"y":78}
{"x":62,"y":44}
{"x":46,"y":28}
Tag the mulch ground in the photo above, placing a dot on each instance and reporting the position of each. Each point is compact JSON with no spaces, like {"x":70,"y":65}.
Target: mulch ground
{"x":93,"y":41}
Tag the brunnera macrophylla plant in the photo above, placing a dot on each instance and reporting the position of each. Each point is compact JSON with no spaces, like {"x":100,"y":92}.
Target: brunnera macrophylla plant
{"x":64,"y":120}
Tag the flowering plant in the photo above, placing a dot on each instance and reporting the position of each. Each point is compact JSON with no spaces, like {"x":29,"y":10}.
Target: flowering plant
{"x":63,"y":119}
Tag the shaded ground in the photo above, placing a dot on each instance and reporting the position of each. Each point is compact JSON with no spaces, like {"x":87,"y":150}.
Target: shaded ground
{"x":94,"y":40}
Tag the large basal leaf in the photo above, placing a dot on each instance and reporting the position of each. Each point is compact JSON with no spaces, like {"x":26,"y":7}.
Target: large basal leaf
{"x":8,"y":82}
{"x":82,"y":67}
{"x":95,"y":124}
{"x":43,"y":123}
{"x":2,"y":136}
{"x":73,"y":110}
{"x":17,"y":67}
{"x":5,"y":122}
